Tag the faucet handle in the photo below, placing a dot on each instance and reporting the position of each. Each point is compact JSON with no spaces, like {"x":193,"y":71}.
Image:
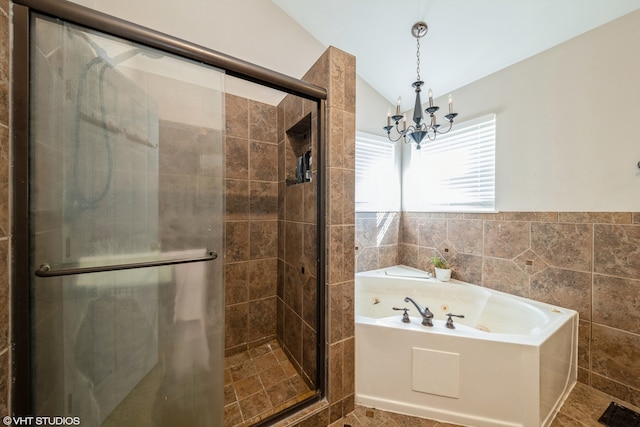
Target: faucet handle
{"x":450,"y":320}
{"x":405,"y":315}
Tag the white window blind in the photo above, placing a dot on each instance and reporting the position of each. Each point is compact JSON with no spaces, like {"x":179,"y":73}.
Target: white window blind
{"x":377,"y":174}
{"x":456,"y":172}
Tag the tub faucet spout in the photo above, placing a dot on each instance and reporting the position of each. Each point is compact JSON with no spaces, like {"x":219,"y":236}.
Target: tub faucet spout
{"x":427,"y":316}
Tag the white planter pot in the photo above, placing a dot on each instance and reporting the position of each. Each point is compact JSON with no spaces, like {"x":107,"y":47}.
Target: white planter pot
{"x":443,"y":274}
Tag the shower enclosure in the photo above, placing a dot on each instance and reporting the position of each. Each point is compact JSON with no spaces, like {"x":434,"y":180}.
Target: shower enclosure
{"x":125,"y":181}
{"x":165,"y":270}
{"x":272,"y":330}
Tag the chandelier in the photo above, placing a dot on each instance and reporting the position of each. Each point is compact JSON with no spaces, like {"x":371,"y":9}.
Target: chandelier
{"x":421,"y":129}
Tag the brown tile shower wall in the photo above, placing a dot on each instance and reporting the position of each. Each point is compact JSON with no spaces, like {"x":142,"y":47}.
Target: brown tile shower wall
{"x":5,"y":223}
{"x":589,"y":262}
{"x":270,"y":234}
{"x":251,"y":223}
{"x":297,"y":243}
{"x":335,"y":70}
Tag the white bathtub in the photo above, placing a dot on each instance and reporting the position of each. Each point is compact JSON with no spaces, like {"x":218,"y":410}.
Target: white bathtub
{"x":510,"y":362}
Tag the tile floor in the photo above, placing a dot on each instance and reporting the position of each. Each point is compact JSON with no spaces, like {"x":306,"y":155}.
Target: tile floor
{"x":582,"y":408}
{"x":258,"y":383}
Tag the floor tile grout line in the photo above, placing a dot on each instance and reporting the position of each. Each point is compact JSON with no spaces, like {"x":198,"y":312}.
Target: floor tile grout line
{"x":251,"y":356}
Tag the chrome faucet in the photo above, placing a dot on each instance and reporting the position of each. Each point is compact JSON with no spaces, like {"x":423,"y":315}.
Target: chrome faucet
{"x":427,"y":316}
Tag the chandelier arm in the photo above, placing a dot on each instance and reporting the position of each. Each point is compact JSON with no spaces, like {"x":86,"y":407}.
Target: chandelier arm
{"x":445,"y":131}
{"x":392,"y":139}
{"x":401,"y":133}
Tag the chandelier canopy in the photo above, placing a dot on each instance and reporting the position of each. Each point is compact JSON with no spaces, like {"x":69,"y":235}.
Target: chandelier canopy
{"x":421,"y":129}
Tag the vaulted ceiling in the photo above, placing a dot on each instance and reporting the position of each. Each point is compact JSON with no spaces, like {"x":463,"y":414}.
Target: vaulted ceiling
{"x":467,"y":39}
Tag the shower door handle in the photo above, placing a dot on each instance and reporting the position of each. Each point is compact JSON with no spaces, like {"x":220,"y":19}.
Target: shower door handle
{"x":45,"y":269}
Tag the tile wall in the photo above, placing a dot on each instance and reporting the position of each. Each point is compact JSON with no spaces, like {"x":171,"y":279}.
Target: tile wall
{"x":5,"y":223}
{"x":297,"y":243}
{"x":589,"y":262}
{"x":251,"y":223}
{"x":256,"y":220}
{"x":335,"y":70}
{"x":377,"y":240}
{"x":270,"y":223}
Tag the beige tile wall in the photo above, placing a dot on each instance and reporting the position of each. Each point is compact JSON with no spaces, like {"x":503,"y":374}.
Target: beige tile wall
{"x":5,"y":224}
{"x":589,"y":262}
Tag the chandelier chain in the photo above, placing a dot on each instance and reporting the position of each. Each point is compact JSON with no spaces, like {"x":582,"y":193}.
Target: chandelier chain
{"x":418,"y":59}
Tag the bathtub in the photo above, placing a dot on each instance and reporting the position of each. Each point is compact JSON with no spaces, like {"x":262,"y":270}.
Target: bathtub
{"x":510,"y":361}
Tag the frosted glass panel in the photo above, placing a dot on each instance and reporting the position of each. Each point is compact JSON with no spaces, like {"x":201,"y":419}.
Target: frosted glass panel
{"x":126,"y":167}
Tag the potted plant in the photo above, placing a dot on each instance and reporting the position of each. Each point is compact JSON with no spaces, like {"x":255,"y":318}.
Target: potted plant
{"x":443,"y":271}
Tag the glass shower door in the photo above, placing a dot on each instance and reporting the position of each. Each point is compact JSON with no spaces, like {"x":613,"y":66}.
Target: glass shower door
{"x":126,"y":210}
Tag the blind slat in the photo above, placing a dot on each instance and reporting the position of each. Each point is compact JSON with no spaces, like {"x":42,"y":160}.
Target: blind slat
{"x":377,"y":177}
{"x":454,"y":172}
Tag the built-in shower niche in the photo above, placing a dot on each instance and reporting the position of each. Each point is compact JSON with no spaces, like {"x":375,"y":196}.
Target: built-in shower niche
{"x":299,"y":152}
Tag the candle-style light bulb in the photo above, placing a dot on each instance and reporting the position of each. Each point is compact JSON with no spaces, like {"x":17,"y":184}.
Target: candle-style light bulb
{"x":450,"y":104}
{"x":389,"y":117}
{"x":430,"y":98}
{"x":404,"y":122}
{"x":398,"y":106}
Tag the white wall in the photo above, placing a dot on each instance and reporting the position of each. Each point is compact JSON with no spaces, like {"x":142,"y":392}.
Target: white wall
{"x":256,"y":31}
{"x":567,"y":123}
{"x":371,"y":109}
{"x":566,"y":137}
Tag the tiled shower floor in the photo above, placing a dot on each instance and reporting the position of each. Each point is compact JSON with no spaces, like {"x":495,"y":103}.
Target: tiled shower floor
{"x":258,"y":383}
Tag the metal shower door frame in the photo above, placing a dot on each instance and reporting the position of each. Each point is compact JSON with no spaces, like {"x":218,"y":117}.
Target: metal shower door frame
{"x":21,"y":392}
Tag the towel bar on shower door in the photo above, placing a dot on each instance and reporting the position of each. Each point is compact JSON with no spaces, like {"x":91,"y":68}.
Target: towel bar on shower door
{"x":46,"y":271}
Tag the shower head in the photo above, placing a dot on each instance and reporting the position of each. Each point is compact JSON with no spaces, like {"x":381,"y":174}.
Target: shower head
{"x":102,"y":54}
{"x":124,"y":56}
{"x":151,"y":54}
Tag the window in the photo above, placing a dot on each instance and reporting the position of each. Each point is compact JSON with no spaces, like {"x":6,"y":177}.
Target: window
{"x":377,"y":174}
{"x":456,"y":172}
